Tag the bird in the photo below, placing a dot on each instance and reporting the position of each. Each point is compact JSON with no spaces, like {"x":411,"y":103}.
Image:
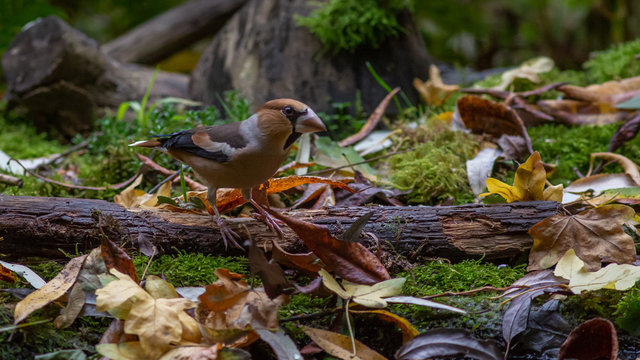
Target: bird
{"x":240,"y":155}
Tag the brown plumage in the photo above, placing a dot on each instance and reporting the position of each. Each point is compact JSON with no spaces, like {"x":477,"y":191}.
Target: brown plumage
{"x":242,"y":154}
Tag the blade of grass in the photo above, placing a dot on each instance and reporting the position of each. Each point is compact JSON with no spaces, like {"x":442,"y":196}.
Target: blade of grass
{"x":143,"y":104}
{"x":383,"y":84}
{"x":183,"y":184}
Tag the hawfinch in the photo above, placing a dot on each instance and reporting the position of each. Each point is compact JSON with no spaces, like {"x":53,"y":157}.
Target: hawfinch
{"x":241,"y":154}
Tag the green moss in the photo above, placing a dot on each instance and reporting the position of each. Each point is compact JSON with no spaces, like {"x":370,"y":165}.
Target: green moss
{"x":435,"y":169}
{"x":349,"y":24}
{"x":187,"y":269}
{"x":571,"y":147}
{"x":617,"y":62}
{"x":628,"y":312}
{"x":17,"y":133}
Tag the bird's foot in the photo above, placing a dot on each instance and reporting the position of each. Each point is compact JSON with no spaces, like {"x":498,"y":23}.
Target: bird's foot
{"x":228,"y":235}
{"x":272,"y":223}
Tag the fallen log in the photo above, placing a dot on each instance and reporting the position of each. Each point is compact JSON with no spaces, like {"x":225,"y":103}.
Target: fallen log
{"x":171,"y":31}
{"x":40,"y":226}
{"x":62,"y":78}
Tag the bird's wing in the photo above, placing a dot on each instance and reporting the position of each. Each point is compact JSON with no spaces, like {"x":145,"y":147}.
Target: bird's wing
{"x":218,"y":143}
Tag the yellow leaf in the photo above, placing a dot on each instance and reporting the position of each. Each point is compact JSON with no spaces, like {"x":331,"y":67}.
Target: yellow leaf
{"x":51,"y":291}
{"x":125,"y":351}
{"x":157,"y":323}
{"x":553,"y":193}
{"x":612,"y":276}
{"x":365,"y":295}
{"x":332,"y":284}
{"x":159,"y":288}
{"x":118,"y":296}
{"x":340,"y":345}
{"x":434,"y":91}
{"x":132,"y":198}
{"x":528,"y":184}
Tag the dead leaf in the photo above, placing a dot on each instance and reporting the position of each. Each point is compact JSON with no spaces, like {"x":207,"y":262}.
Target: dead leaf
{"x":528,"y":184}
{"x":625,"y":132}
{"x":401,"y":299}
{"x":516,"y":318}
{"x":311,"y":192}
{"x":612,"y":276}
{"x":215,"y":352}
{"x":630,"y":168}
{"x":480,"y":167}
{"x":514,"y":147}
{"x":408,"y":330}
{"x":229,"y":311}
{"x":75,"y":303}
{"x":54,"y":289}
{"x":574,"y":112}
{"x":448,"y":343}
{"x":132,"y":198}
{"x":6,"y":274}
{"x":593,"y":339}
{"x":125,"y":351}
{"x":434,"y":91}
{"x":116,"y":258}
{"x":352,"y":234}
{"x":595,"y":184}
{"x":351,"y":261}
{"x":372,"y":121}
{"x":308,"y":262}
{"x":594,"y":234}
{"x":271,"y":274}
{"x":281,"y":343}
{"x":326,"y":199}
{"x":527,"y":70}
{"x":23,"y":271}
{"x":155,"y":321}
{"x":483,"y":116}
{"x":610,"y":92}
{"x":365,"y":295}
{"x":340,"y":346}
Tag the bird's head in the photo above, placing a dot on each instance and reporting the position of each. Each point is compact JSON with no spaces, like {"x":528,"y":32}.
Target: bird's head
{"x":288,"y":118}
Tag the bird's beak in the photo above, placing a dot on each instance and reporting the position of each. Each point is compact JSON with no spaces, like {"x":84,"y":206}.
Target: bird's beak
{"x":309,"y":122}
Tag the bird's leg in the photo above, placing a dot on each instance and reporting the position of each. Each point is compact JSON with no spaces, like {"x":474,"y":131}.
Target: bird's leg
{"x":226,"y":233}
{"x":271,"y":222}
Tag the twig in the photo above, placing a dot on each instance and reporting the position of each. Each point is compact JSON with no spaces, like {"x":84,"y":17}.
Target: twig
{"x":144,"y":273}
{"x":77,"y":187}
{"x":360,"y":162}
{"x":63,"y":154}
{"x":10,"y":180}
{"x":473,"y":291}
{"x":164,"y":181}
{"x":193,"y":185}
{"x":371,"y":123}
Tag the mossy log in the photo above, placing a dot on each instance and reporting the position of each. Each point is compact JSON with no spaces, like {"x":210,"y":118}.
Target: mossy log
{"x":40,"y":226}
{"x":171,"y":31}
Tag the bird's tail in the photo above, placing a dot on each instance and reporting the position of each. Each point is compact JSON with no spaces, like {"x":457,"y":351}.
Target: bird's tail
{"x":147,"y":143}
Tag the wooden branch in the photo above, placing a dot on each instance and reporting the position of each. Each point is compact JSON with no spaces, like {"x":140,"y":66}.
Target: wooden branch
{"x":172,"y":31}
{"x":38,"y":226}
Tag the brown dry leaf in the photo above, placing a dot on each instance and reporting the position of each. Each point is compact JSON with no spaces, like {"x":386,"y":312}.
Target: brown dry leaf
{"x":156,"y":321}
{"x":6,"y":274}
{"x":228,"y":199}
{"x":132,"y":198}
{"x":75,"y":303}
{"x":408,"y":330}
{"x":308,"y":262}
{"x":373,"y":120}
{"x":271,"y":274}
{"x":527,"y":70}
{"x":349,"y":260}
{"x":610,"y":92}
{"x":593,"y":234}
{"x":116,"y":258}
{"x":575,"y":112}
{"x":434,"y":91}
{"x":229,"y":310}
{"x":484,"y":116}
{"x":340,"y":345}
{"x":124,"y":351}
{"x":528,"y":184}
{"x":593,"y":339}
{"x":51,"y":291}
{"x":630,"y":168}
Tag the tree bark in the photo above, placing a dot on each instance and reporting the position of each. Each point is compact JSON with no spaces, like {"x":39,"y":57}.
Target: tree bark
{"x":61,"y":76}
{"x":172,"y":31}
{"x":36,"y":226}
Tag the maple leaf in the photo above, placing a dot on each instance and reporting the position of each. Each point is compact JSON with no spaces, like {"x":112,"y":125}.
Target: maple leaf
{"x":156,"y":321}
{"x":593,"y":234}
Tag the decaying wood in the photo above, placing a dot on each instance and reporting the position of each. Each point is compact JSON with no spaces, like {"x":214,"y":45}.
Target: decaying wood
{"x":62,"y":78}
{"x":172,"y":31}
{"x":36,"y":226}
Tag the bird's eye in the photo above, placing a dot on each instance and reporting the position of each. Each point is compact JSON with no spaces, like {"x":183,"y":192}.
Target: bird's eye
{"x":288,"y":110}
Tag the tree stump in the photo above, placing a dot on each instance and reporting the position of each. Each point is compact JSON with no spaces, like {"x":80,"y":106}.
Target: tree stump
{"x":264,"y":54}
